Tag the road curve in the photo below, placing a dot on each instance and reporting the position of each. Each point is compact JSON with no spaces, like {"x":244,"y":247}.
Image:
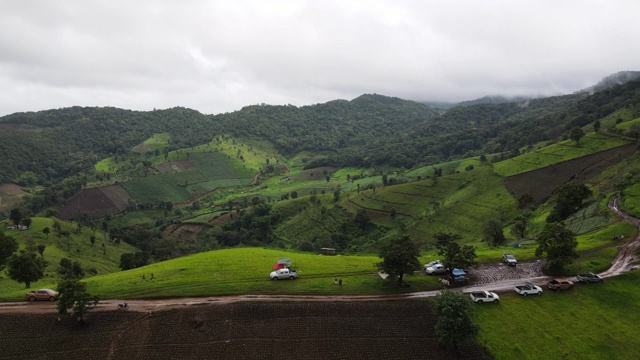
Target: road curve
{"x":623,"y":262}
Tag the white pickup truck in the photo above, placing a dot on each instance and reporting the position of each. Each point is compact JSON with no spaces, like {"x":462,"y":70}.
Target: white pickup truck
{"x":528,"y":289}
{"x":484,"y":296}
{"x":283,"y":274}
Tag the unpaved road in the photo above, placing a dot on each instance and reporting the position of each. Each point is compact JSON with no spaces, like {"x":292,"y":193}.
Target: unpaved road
{"x":496,"y":277}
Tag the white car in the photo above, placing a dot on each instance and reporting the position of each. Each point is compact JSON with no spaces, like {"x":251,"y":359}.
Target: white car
{"x":436,"y":269}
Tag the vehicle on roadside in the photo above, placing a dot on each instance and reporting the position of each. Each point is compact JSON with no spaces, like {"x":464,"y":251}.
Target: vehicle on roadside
{"x":560,"y":284}
{"x":436,"y":269}
{"x":484,"y":297}
{"x":283,"y":274}
{"x":434,"y":262}
{"x":528,"y":289}
{"x":589,"y":278}
{"x":509,"y":259}
{"x":458,"y":275}
{"x":43,"y":294}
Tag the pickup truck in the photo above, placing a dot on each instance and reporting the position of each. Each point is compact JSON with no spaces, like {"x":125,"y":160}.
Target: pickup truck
{"x":589,"y":278}
{"x":283,"y":274}
{"x":484,"y":296}
{"x":509,"y":259}
{"x":560,"y":284}
{"x":528,"y":289}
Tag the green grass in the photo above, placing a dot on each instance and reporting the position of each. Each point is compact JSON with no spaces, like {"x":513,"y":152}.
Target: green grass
{"x":589,"y":322}
{"x":78,"y":248}
{"x":552,"y":154}
{"x":630,"y":202}
{"x":242,"y":271}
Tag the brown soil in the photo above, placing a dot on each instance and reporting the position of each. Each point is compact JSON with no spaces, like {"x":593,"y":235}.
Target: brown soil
{"x":302,"y":330}
{"x":542,"y":182}
{"x":99,"y":201}
{"x":174,"y":166}
{"x":10,"y":195}
{"x":315,"y":173}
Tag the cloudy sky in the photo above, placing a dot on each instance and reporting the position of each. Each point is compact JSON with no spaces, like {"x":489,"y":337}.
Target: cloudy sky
{"x":217,"y":56}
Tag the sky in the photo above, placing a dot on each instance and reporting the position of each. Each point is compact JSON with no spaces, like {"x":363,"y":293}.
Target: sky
{"x":218,"y":56}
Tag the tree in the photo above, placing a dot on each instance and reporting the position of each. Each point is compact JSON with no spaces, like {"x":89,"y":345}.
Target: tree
{"x":46,"y":231}
{"x":519,"y":228}
{"x":399,"y":257}
{"x":26,"y":222}
{"x":16,"y":216}
{"x":577,"y":134}
{"x":558,"y":244}
{"x":105,"y":228}
{"x":569,"y":198}
{"x":455,"y":313}
{"x":26,"y":267}
{"x":362,"y":219}
{"x":493,"y":233}
{"x":74,"y":295}
{"x":70,"y":270}
{"x":455,"y":256}
{"x":526,"y":201}
{"x":8,"y":245}
{"x":93,"y":240}
{"x":41,"y":249}
{"x":596,"y":126}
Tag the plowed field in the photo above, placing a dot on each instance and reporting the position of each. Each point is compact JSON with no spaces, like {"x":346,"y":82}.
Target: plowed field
{"x":361,"y":330}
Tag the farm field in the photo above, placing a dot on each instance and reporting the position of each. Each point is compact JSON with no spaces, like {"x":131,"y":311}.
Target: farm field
{"x":556,"y":153}
{"x":319,"y":330}
{"x":588,"y":322}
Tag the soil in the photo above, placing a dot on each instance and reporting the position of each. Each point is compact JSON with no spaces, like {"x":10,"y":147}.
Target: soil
{"x":174,"y":166}
{"x":541,"y":182}
{"x":111,"y":199}
{"x":10,"y":195}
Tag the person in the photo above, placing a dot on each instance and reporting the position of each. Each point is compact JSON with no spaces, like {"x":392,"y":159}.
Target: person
{"x":335,"y":281}
{"x":152,"y":276}
{"x":143,"y":278}
{"x":340,"y":282}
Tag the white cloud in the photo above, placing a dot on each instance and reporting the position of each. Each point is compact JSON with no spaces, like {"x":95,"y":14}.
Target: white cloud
{"x":217,"y":56}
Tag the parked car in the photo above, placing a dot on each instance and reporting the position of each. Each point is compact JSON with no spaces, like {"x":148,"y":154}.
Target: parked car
{"x":434,"y":262}
{"x":283,"y":274}
{"x":436,"y":269}
{"x":43,"y":294}
{"x":509,"y":259}
{"x":528,"y":289}
{"x":458,"y":275}
{"x":560,"y":284}
{"x":589,"y":278}
{"x":484,"y":296}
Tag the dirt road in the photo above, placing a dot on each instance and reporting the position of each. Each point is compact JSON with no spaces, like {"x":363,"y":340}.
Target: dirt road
{"x":491,"y":277}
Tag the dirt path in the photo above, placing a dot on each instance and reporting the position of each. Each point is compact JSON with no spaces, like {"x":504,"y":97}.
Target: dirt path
{"x":496,"y":277}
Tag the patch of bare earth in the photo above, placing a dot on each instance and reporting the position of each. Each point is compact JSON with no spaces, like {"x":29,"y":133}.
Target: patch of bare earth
{"x":174,"y":166}
{"x":252,"y":330}
{"x":541,"y":182}
{"x":10,"y":195}
{"x":315,"y":173}
{"x":98,"y":201}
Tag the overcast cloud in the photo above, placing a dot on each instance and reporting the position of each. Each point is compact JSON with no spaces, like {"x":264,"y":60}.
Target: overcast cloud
{"x":218,"y":56}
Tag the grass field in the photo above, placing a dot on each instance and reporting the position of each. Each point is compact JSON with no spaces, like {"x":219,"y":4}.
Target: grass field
{"x":589,"y":322}
{"x":77,"y":248}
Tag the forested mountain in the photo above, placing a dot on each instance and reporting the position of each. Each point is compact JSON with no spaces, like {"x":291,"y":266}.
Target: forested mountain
{"x":371,"y":130}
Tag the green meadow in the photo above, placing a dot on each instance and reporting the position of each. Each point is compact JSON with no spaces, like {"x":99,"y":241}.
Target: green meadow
{"x":596,"y":321}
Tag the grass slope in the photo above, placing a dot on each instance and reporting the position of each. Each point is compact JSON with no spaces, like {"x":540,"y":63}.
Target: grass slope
{"x":589,"y":322}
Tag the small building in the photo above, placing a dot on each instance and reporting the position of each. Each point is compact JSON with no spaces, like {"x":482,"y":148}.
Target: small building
{"x":327,"y":251}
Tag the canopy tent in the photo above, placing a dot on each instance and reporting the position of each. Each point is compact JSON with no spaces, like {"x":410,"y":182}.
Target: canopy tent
{"x":282,"y":263}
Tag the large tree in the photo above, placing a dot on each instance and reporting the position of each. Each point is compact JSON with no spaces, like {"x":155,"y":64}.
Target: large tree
{"x":569,"y":199}
{"x":558,"y":244}
{"x":26,"y":267}
{"x":577,"y":134}
{"x":399,"y":258}
{"x":493,"y":233}
{"x":455,"y":313}
{"x":8,"y":245}
{"x":455,"y":256}
{"x":70,"y":270}
{"x":74,"y":295}
{"x":16,"y":216}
